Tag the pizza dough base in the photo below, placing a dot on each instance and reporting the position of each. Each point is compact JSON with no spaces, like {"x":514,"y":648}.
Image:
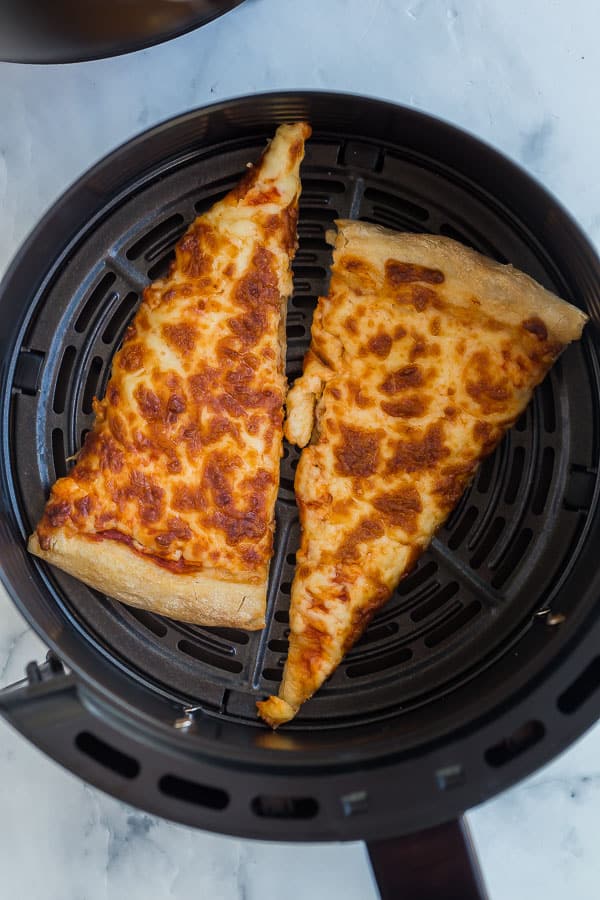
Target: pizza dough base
{"x":118,"y":571}
{"x":510,"y":295}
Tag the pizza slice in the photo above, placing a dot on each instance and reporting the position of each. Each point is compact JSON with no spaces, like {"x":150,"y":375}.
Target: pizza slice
{"x":170,"y":506}
{"x":423,"y":354}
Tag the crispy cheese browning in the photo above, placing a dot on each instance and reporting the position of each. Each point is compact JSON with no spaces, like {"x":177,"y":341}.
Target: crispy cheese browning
{"x":423,"y":354}
{"x":181,"y":467}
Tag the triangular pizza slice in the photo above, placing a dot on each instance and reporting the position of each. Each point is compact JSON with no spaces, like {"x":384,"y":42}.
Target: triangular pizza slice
{"x":423,"y":354}
{"x":170,"y":506}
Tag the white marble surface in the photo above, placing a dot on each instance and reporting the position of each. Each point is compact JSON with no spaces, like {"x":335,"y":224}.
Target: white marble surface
{"x":524,"y":76}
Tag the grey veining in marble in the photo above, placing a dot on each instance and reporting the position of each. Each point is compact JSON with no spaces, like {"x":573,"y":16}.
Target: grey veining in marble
{"x":523,"y":76}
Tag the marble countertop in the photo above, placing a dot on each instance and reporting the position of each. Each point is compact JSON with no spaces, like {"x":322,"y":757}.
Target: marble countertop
{"x":523,"y":77}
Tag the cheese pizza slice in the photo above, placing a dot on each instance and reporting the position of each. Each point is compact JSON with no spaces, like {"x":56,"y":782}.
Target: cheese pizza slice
{"x":423,"y":354}
{"x":170,"y":506}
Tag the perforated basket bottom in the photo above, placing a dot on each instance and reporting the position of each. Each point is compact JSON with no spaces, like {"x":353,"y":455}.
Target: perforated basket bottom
{"x":501,"y":556}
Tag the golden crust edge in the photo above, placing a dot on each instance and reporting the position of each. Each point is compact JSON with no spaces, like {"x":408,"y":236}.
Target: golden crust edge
{"x":118,"y":572}
{"x":507,"y":293}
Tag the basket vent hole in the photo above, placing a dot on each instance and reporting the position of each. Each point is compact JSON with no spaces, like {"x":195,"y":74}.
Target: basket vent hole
{"x":549,"y":413}
{"x":397,"y":204}
{"x":63,"y":380}
{"x":232,"y":635}
{"x":452,"y":625}
{"x":59,"y":453}
{"x":515,"y":553}
{"x":315,"y":188}
{"x":283,"y":616}
{"x":294,"y":331}
{"x":167,"y":229}
{"x":273,"y":807}
{"x":206,"y":656}
{"x":545,"y":479}
{"x":463,"y":528}
{"x":273,"y":674}
{"x":149,"y":621}
{"x":516,"y":473}
{"x":278,"y":646}
{"x":378,"y":633}
{"x":121,"y":316}
{"x":203,"y":205}
{"x":287,"y":484}
{"x":106,"y":755}
{"x":490,"y":539}
{"x":522,"y":422}
{"x":91,"y":385}
{"x":434,"y":603}
{"x":379,"y":663}
{"x":486,"y":473}
{"x":582,"y":688}
{"x":418,"y":578}
{"x":316,"y":215}
{"x":161,"y":268}
{"x":304,"y":302}
{"x":93,"y":301}
{"x":518,"y":742}
{"x":193,"y":792}
{"x":309,"y":272}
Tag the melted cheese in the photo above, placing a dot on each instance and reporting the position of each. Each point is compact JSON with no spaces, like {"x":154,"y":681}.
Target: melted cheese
{"x":416,"y":369}
{"x":183,"y":460}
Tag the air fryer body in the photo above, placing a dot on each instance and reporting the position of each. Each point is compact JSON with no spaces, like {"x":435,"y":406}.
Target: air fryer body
{"x":483,"y":665}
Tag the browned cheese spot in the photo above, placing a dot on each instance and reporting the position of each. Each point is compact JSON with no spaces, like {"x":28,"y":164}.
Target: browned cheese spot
{"x":402,"y":380}
{"x":258,"y":287}
{"x":419,"y":348}
{"x":195,"y":250}
{"x":147,"y":494}
{"x":380,"y":345}
{"x":268,"y":195}
{"x":423,"y":451}
{"x":351,"y":325}
{"x":451,"y":483}
{"x":423,"y":297}
{"x":83,"y":506}
{"x":487,"y":436}
{"x":148,"y":403}
{"x":397,"y":273}
{"x":365,"y":531}
{"x":357,"y":454}
{"x":400,"y":507}
{"x":132,"y":357}
{"x":536,"y":327}
{"x":362,"y":400}
{"x":112,"y":395}
{"x":56,"y":514}
{"x":489,"y":391}
{"x":181,"y":337}
{"x":409,"y":407}
{"x":175,"y":406}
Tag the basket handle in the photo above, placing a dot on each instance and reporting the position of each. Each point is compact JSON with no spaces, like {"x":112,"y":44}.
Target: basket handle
{"x":438,"y":863}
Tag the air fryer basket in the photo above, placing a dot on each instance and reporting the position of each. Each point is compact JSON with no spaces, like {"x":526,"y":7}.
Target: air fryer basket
{"x":485,"y":662}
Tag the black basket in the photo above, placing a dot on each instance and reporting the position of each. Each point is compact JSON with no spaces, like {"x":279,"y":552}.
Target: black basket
{"x":483,"y":665}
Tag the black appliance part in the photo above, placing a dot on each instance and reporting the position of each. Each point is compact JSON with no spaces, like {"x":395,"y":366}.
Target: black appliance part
{"x":63,"y":31}
{"x":485,"y":662}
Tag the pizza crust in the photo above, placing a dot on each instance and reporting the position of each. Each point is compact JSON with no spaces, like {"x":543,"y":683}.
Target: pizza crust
{"x":510,"y":295}
{"x":119,"y":572}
